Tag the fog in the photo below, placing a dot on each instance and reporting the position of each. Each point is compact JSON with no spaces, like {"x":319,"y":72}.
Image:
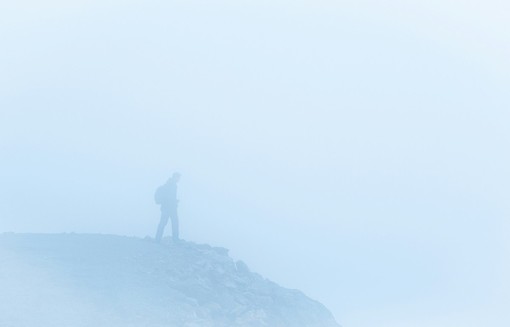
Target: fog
{"x":356,"y":151}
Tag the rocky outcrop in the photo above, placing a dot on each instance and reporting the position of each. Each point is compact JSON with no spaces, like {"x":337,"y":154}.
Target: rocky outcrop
{"x":103,"y":280}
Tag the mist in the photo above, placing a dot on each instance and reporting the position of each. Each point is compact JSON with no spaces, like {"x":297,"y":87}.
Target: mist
{"x":354,"y":151}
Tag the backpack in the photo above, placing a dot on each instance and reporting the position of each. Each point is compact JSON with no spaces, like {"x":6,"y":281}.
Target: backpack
{"x":159,"y":196}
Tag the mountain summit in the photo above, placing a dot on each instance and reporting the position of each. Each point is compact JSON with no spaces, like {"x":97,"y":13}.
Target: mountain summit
{"x":76,"y":280}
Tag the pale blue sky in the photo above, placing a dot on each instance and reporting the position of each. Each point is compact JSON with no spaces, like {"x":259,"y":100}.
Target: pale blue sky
{"x":355,"y":150}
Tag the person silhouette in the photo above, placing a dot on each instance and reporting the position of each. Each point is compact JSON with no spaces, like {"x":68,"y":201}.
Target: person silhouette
{"x":166,"y":197}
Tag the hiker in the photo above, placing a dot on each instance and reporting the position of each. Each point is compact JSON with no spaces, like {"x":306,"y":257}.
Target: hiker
{"x":166,"y":197}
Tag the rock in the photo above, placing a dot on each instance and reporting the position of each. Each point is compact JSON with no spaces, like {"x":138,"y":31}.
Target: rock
{"x":105,"y":280}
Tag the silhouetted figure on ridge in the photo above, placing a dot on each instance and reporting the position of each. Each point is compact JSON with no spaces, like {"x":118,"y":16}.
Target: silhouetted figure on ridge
{"x":166,"y":196}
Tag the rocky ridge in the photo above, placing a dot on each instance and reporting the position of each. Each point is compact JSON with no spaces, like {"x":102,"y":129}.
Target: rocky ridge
{"x":104,"y":280}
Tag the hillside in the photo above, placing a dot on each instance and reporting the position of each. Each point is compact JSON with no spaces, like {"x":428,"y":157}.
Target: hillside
{"x":102,"y":280}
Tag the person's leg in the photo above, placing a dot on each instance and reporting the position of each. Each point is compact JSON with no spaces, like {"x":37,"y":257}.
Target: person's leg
{"x":161,"y":228}
{"x":175,"y":226}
